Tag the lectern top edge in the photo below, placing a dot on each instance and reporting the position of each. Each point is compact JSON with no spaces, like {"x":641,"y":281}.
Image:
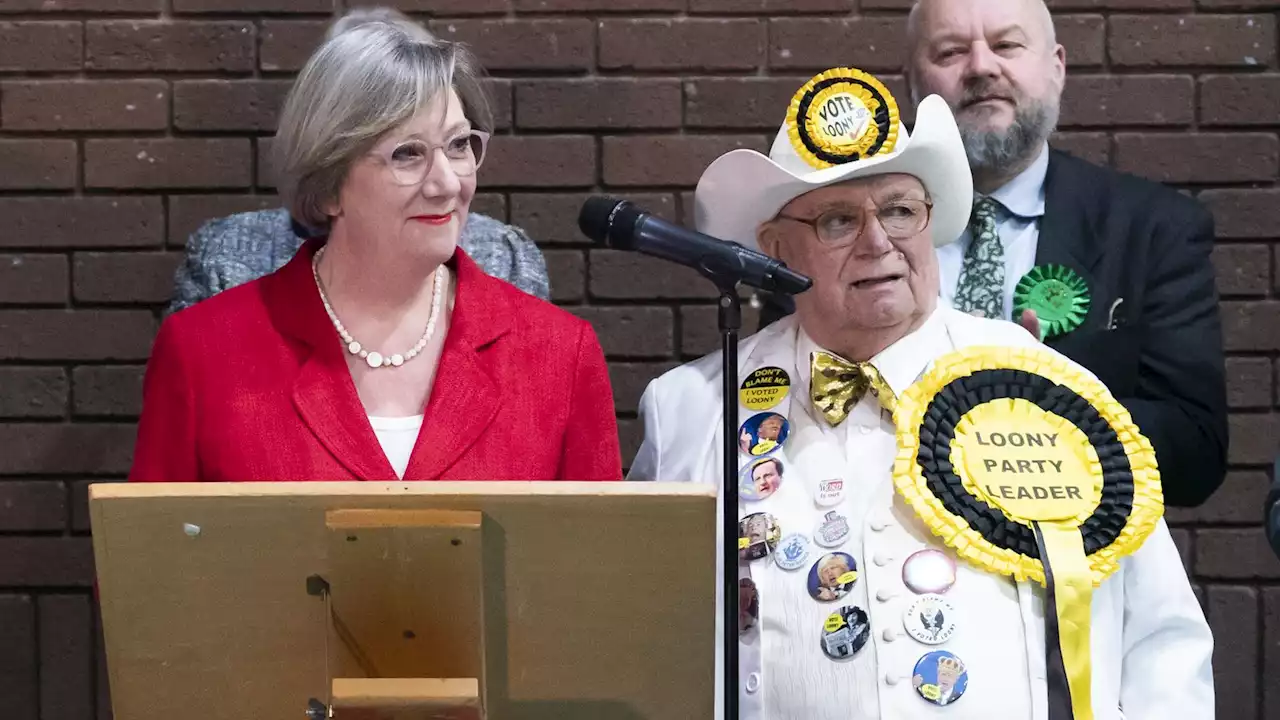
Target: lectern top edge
{"x":369,"y":490}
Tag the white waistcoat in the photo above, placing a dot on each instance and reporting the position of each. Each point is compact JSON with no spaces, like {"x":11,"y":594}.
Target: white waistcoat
{"x":1151,"y":647}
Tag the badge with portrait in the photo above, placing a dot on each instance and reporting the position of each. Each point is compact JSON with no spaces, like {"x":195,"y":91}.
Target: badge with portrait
{"x":759,"y":479}
{"x":763,"y":434}
{"x":1029,"y":468}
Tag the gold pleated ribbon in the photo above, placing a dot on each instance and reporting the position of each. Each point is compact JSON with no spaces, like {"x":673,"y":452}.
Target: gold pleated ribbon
{"x":1070,"y":587}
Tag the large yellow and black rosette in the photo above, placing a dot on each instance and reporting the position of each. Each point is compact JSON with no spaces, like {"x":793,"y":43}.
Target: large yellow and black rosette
{"x":1028,"y":467}
{"x":840,"y":116}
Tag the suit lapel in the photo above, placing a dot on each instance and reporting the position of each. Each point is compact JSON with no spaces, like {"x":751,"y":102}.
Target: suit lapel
{"x":464,"y":401}
{"x":1069,"y":234}
{"x":329,"y":405}
{"x":465,"y":396}
{"x":323,"y":392}
{"x":1066,"y":236}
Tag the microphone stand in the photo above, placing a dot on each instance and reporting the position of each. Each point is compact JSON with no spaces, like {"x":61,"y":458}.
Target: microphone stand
{"x":730,"y":321}
{"x":727,"y":276}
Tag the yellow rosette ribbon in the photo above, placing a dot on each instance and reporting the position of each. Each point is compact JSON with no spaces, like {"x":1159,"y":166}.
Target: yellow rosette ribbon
{"x":1028,"y":467}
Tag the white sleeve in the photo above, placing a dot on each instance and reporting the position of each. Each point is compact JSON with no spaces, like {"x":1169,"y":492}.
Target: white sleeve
{"x":1168,"y":646}
{"x":647,"y":464}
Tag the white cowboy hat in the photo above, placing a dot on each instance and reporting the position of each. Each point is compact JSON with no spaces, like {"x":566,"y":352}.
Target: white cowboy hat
{"x":743,"y":188}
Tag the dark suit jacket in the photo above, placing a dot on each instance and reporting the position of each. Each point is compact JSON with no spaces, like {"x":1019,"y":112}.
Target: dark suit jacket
{"x":252,"y":384}
{"x":1147,"y":247}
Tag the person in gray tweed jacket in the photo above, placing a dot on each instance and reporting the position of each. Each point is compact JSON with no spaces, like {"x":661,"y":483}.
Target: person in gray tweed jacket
{"x":233,"y":250}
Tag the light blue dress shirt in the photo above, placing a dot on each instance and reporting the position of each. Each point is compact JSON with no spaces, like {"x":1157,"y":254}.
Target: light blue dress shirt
{"x":1018,"y":222}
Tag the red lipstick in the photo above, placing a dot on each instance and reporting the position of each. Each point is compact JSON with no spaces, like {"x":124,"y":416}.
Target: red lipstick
{"x":434,"y":219}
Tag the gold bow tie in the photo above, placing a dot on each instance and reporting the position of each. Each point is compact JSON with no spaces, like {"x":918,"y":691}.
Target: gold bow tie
{"x":836,"y":385}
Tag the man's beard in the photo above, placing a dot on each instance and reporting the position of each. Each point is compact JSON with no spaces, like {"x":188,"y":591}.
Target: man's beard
{"x":999,"y":150}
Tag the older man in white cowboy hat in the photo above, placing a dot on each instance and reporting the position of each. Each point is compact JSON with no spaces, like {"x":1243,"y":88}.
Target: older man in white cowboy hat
{"x":849,"y":199}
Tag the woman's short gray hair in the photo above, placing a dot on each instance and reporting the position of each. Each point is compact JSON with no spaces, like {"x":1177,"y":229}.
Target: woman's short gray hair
{"x":376,"y":70}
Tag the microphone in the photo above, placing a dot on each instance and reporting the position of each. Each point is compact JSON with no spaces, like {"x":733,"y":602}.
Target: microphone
{"x":620,"y":225}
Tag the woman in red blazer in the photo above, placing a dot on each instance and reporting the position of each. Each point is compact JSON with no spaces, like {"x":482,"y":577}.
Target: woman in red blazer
{"x":382,"y":351}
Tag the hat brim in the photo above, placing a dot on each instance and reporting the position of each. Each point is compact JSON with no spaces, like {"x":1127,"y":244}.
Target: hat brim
{"x":743,"y":188}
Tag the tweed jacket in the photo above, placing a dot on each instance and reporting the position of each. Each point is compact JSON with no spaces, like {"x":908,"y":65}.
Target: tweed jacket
{"x":233,"y":250}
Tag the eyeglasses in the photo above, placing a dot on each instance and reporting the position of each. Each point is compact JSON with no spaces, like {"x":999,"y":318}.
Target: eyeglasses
{"x":411,"y":161}
{"x":901,"y":218}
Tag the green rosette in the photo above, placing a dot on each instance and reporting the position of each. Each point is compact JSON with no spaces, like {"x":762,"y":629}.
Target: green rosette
{"x":1057,"y":294}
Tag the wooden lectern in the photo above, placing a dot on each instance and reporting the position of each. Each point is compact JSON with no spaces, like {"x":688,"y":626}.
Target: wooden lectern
{"x":457,"y":601}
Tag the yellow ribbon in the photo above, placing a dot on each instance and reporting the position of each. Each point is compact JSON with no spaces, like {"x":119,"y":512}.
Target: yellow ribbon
{"x":1072,"y":588}
{"x":836,"y":385}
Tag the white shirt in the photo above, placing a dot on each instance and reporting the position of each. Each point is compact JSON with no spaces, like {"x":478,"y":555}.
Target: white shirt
{"x":397,"y":435}
{"x":1021,"y":205}
{"x":798,"y":679}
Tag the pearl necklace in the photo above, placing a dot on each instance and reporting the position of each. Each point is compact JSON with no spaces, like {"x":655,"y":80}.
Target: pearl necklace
{"x":376,"y":359}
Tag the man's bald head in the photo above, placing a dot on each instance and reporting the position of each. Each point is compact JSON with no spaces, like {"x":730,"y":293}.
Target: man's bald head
{"x":999,"y":66}
{"x":1036,"y":9}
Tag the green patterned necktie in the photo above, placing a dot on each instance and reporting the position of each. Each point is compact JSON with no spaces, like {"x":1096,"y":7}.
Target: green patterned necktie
{"x":980,"y":290}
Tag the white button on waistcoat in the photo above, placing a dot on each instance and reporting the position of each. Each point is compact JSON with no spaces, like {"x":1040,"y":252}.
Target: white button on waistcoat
{"x":753,"y":682}
{"x":881,"y":560}
{"x":885,"y":594}
{"x":890,"y":635}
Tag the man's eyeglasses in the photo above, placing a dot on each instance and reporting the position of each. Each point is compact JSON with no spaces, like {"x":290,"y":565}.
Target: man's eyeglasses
{"x":901,"y":218}
{"x":411,"y":161}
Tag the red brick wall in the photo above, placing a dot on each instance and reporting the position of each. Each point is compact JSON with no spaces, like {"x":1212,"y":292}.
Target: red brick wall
{"x":126,"y":123}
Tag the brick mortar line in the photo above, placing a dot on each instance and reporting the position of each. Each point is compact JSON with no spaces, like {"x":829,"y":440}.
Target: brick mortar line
{"x":689,"y":73}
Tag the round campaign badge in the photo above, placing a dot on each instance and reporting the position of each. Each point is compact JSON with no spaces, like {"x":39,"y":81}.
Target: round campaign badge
{"x":930,"y":619}
{"x":793,"y":552}
{"x":760,"y":479}
{"x":762,"y":434}
{"x":832,"y":529}
{"x":940,"y":677}
{"x":830,"y":492}
{"x":844,"y":632}
{"x":758,"y":535}
{"x":764,"y":388}
{"x":832,"y":576}
{"x":929,"y":571}
{"x":748,"y":605}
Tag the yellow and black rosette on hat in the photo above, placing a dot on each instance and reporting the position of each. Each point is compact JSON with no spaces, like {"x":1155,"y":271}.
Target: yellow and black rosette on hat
{"x":840,"y":116}
{"x":1028,"y":467}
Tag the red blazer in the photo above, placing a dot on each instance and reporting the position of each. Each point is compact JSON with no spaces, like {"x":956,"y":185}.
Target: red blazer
{"x":252,"y":385}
